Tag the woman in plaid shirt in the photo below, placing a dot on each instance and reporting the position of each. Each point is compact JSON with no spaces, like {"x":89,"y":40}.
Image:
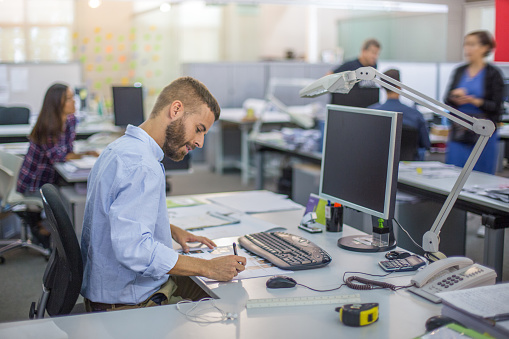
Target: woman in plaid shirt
{"x":51,"y":140}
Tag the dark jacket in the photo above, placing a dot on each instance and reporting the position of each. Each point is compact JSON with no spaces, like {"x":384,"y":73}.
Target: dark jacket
{"x":493,"y":91}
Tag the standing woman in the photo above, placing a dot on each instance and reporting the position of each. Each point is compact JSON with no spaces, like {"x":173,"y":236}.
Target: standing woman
{"x":477,"y":89}
{"x":51,"y":141}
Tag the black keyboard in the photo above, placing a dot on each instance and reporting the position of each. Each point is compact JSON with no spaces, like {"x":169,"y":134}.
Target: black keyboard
{"x":286,"y":251}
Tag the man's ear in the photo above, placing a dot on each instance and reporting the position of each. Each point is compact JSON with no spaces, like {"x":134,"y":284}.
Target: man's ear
{"x":176,"y":109}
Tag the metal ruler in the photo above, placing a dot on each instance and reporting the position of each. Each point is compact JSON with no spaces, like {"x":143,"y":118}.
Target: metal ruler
{"x":302,"y":301}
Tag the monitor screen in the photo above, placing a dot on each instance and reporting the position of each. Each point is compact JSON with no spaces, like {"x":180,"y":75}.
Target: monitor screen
{"x":128,"y":105}
{"x":360,"y":159}
{"x":357,"y":97}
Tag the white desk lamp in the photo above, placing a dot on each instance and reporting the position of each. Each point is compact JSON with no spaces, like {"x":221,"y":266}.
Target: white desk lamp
{"x":343,"y":82}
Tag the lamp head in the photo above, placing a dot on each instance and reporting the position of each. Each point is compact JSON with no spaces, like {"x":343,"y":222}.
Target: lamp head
{"x":334,"y":83}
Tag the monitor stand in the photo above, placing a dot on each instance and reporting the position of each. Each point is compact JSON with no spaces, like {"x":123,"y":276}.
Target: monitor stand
{"x":362,"y":243}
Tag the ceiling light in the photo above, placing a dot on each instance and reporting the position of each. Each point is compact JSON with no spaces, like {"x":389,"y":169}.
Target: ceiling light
{"x":165,"y":7}
{"x":94,"y":3}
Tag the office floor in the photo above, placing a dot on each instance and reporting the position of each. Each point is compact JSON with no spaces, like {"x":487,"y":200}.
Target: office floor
{"x":21,"y":275}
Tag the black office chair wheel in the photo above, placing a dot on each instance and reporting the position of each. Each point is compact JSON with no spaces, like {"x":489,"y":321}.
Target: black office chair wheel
{"x":2,"y":260}
{"x":31,"y":315}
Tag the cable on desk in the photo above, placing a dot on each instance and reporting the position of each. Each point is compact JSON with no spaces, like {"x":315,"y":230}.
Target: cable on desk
{"x":408,"y":234}
{"x":312,"y":289}
{"x":366,"y":284}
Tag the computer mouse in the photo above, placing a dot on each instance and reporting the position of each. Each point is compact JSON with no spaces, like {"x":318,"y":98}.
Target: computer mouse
{"x":437,"y":321}
{"x":392,"y":255}
{"x":280,"y":281}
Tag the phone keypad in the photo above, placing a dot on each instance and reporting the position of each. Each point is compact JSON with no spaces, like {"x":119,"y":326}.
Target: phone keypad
{"x":399,"y":265}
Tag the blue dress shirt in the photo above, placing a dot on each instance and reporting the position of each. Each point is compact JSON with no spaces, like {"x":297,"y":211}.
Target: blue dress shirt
{"x":126,"y":241}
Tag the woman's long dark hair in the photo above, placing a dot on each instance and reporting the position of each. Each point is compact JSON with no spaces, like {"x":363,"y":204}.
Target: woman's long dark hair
{"x":48,"y":127}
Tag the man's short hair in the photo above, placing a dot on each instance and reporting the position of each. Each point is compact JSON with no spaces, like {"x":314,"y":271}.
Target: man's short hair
{"x":191,"y":92}
{"x":392,"y":73}
{"x":371,"y":42}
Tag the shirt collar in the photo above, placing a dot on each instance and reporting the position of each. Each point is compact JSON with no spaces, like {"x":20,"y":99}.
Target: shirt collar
{"x":140,"y":134}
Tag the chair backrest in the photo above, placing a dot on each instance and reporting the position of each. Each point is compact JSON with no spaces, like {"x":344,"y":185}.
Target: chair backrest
{"x":9,"y":170}
{"x":409,"y":144}
{"x":14,"y":116}
{"x":64,"y":272}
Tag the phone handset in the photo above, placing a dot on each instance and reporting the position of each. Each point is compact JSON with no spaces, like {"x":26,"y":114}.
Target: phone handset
{"x":439,"y":268}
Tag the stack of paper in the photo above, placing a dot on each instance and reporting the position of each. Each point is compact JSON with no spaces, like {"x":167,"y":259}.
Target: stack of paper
{"x":484,"y":309}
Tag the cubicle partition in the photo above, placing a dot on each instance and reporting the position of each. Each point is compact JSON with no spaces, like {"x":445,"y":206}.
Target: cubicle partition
{"x":234,"y":82}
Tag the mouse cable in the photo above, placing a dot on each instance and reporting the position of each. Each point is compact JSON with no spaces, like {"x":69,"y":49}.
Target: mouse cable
{"x":408,"y":234}
{"x":313,"y":289}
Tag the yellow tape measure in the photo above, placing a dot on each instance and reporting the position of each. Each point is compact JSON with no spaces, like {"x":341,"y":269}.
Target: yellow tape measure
{"x":358,"y":314}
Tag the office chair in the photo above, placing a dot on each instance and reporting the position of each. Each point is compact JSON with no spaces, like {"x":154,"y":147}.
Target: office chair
{"x":14,"y":116}
{"x":64,"y":272}
{"x":27,"y":208}
{"x":409,"y":144}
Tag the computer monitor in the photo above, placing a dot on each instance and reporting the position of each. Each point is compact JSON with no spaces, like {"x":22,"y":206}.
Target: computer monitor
{"x":357,"y":97}
{"x":128,"y":106}
{"x":360,"y":162}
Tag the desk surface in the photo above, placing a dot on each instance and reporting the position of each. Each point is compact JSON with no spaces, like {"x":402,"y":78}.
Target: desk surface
{"x":402,"y":315}
{"x":444,"y":186}
{"x":81,"y":129}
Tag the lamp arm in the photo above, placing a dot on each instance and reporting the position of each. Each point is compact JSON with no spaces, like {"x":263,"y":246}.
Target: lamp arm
{"x":484,"y":128}
{"x":430,"y":239}
{"x":479,"y":126}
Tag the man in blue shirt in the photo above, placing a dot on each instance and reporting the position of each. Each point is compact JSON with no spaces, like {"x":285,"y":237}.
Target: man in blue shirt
{"x":126,"y":241}
{"x":365,"y":92}
{"x":411,"y":117}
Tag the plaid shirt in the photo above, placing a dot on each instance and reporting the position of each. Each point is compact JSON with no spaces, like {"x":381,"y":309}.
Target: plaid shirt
{"x":37,"y":168}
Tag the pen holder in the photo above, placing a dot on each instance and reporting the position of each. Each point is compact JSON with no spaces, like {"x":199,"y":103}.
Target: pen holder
{"x":380,"y":236}
{"x":335,"y":222}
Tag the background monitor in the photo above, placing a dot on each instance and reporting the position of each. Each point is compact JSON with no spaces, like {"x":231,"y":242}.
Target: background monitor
{"x":128,"y":106}
{"x":357,"y":97}
{"x":360,"y":162}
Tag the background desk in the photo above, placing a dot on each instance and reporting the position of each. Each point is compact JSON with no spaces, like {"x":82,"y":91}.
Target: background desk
{"x":402,"y":315}
{"x":235,"y":116}
{"x":19,"y":133}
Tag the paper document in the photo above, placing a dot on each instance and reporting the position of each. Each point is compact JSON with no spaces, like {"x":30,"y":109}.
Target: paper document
{"x":413,"y":165}
{"x":486,"y":301}
{"x":255,"y":266}
{"x":204,"y":220}
{"x":182,"y":202}
{"x":500,"y":192}
{"x":256,"y":202}
{"x":86,"y":162}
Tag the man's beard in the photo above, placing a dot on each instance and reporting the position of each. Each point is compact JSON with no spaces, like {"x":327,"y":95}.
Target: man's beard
{"x":175,"y":140}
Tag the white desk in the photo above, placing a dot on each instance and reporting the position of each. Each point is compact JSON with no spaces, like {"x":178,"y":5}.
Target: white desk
{"x":82,"y":129}
{"x":402,"y":315}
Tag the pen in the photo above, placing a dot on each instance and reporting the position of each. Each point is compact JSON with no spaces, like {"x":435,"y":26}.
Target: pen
{"x":235,"y":251}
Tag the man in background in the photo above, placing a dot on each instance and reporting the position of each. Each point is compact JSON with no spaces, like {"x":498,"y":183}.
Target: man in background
{"x":411,"y":117}
{"x":364,"y":93}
